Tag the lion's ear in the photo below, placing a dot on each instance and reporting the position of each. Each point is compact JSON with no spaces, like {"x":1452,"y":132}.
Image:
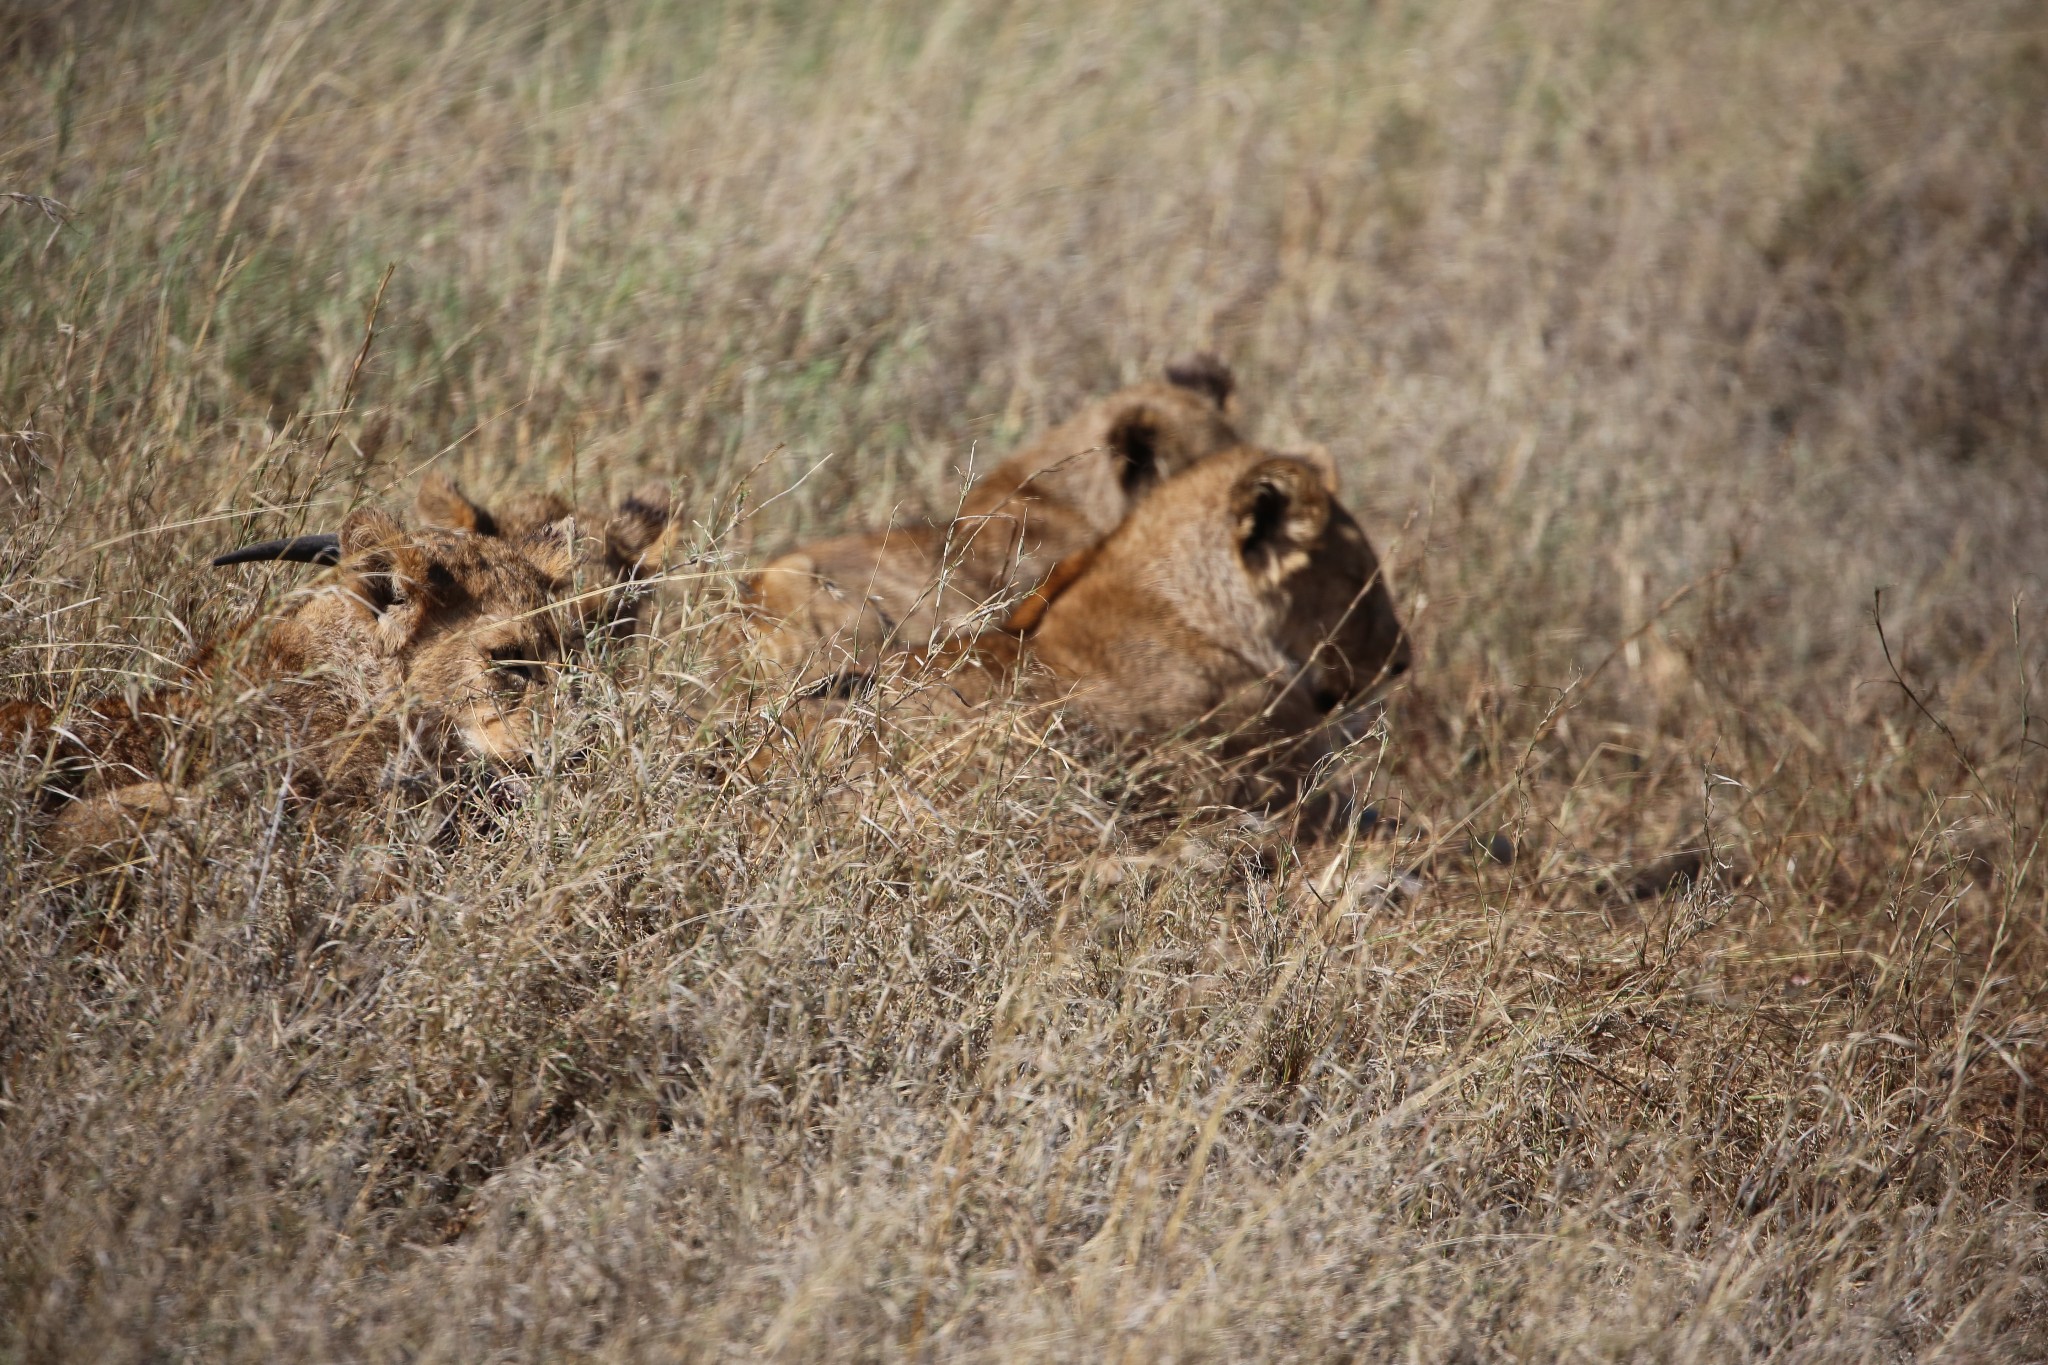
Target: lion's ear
{"x":1134,"y":439}
{"x":386,"y":573}
{"x":1205,"y":374}
{"x":442,"y":503}
{"x":367,"y":528}
{"x":1278,"y":509}
{"x":637,"y":537}
{"x":551,"y":548}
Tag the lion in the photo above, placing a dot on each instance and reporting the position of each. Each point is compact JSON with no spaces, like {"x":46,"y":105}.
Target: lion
{"x":850,"y":599}
{"x":1239,"y":604}
{"x":420,"y":650}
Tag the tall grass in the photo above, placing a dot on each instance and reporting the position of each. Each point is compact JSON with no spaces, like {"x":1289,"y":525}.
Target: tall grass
{"x":1654,"y":343}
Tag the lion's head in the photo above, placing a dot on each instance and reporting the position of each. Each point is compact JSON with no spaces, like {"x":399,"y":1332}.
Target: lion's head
{"x":633,"y":542}
{"x":464,"y":629}
{"x":1075,"y":484}
{"x":1240,"y":599}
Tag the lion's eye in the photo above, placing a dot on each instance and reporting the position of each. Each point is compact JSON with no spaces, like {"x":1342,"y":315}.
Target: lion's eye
{"x":512,"y":671}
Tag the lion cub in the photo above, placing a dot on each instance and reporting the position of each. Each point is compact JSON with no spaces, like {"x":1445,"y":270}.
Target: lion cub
{"x":420,"y":648}
{"x":850,"y":599}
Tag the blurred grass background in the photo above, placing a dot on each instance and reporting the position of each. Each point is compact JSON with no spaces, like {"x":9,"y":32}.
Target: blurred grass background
{"x":1652,"y":341}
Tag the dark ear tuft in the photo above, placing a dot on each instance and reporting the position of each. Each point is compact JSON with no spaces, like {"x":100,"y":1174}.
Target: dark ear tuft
{"x":1278,"y":506}
{"x":1134,"y":440}
{"x":845,"y":685}
{"x":372,"y":575}
{"x":1205,"y":374}
{"x":633,"y":534}
{"x":442,"y":503}
{"x":1261,"y":517}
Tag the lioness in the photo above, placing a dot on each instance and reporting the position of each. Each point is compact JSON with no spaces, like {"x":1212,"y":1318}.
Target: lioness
{"x":851,"y":598}
{"x":420,"y":648}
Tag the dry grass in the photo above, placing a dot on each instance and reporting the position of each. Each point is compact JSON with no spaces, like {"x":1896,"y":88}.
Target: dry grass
{"x":1652,"y":340}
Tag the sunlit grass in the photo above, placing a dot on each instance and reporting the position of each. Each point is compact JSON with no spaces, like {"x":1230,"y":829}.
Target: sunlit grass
{"x":1651,"y":342}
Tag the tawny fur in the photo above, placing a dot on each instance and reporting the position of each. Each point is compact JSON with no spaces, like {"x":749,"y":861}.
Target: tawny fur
{"x":632,"y":543}
{"x":1240,"y":602}
{"x":848,"y":600}
{"x":417,"y":650}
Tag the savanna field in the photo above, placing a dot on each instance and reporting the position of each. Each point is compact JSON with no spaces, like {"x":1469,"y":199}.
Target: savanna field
{"x":1686,"y":363}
